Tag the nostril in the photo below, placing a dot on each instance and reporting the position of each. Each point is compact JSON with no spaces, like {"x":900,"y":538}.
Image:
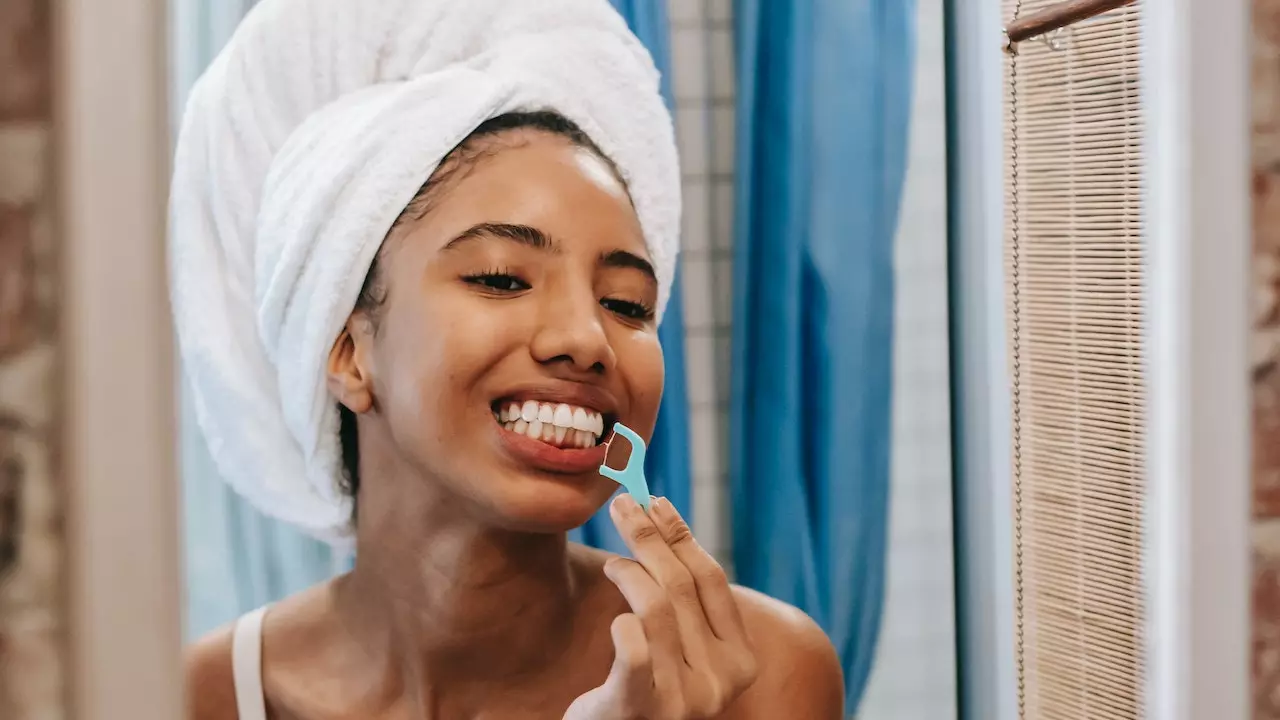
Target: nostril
{"x":595,"y":368}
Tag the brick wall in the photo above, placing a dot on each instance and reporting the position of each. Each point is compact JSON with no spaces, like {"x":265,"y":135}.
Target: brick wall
{"x":31,"y":549}
{"x":1266,"y":360}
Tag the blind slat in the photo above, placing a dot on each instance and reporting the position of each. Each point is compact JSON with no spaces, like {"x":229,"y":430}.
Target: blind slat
{"x":1074,"y":242}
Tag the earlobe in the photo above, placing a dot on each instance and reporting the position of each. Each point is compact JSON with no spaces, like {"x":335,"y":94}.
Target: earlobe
{"x":348,"y":378}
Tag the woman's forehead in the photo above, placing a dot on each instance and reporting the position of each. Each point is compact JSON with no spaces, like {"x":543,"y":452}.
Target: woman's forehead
{"x":563,"y":190}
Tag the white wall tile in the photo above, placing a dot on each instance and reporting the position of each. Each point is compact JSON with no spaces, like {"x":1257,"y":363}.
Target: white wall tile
{"x":691,"y":134}
{"x":710,"y":519}
{"x":723,"y":292}
{"x":722,"y":139}
{"x":698,"y":281}
{"x":719,"y":11}
{"x":723,"y":359}
{"x":706,"y":464}
{"x":702,"y":439}
{"x":699,"y":350}
{"x":695,"y":218}
{"x":722,"y":215}
{"x":688,"y":78}
{"x":720,"y":54}
{"x":686,"y":12}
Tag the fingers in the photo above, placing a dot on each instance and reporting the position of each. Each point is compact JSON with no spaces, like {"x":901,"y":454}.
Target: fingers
{"x":649,"y":548}
{"x":708,"y":576}
{"x":631,"y":677}
{"x":662,"y":542}
{"x":628,"y":692}
{"x":700,"y":658}
{"x":657,"y":617}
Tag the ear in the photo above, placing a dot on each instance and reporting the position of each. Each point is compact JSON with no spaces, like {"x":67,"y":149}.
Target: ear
{"x":349,"y":376}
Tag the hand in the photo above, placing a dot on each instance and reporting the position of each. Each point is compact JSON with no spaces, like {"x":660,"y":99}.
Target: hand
{"x":682,"y":653}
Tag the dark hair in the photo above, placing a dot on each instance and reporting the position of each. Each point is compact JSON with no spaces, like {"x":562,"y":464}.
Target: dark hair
{"x":452,"y":168}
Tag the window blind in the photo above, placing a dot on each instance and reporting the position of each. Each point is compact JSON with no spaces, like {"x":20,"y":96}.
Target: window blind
{"x":1074,"y":275}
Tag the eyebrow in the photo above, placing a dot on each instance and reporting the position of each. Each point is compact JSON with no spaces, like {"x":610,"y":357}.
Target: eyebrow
{"x":624,"y":259}
{"x":523,"y":234}
{"x":532,"y":237}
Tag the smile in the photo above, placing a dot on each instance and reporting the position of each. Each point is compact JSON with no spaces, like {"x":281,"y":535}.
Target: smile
{"x":557,"y":424}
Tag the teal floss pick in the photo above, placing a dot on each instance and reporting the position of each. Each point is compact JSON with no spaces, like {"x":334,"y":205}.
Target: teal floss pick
{"x":630,"y":477}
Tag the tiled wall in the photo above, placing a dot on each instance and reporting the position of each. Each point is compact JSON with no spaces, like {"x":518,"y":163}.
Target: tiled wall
{"x":702,"y":76}
{"x":31,"y":548}
{"x":915,"y":670}
{"x":1266,"y":360}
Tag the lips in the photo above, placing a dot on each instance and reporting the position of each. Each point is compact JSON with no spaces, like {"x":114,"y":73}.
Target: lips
{"x":555,"y":426}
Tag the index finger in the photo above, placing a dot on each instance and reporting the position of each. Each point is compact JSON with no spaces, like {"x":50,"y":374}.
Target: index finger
{"x":708,"y":575}
{"x":646,"y":543}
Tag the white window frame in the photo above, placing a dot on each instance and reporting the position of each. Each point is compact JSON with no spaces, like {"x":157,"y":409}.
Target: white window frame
{"x":980,"y":373}
{"x":1196,"y":80}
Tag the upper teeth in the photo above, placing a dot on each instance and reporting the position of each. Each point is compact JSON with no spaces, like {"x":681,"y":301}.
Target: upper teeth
{"x":560,"y":424}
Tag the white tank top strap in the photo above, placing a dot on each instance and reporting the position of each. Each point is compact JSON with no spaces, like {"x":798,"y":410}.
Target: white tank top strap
{"x":246,"y":666}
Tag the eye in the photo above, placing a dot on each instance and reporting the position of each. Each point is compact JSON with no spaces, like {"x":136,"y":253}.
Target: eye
{"x":627,"y":309}
{"x":498,"y":282}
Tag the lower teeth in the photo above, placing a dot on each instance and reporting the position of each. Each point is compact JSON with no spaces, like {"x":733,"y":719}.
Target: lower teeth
{"x":547,"y":433}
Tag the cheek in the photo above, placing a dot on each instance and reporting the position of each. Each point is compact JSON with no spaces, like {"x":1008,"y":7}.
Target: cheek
{"x":644,"y":372}
{"x":433,"y":361}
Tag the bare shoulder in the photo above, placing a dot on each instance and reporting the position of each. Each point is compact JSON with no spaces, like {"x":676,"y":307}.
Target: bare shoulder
{"x":210,"y":683}
{"x":799,"y":672}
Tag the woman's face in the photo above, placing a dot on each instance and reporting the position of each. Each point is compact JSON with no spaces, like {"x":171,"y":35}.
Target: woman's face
{"x":518,"y":326}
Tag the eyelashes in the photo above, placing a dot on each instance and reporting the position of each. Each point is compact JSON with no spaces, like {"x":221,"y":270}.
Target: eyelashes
{"x":500,"y":282}
{"x":628,"y":309}
{"x":497,"y":281}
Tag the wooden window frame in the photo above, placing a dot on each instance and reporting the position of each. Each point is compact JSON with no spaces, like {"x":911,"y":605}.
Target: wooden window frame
{"x":118,"y":454}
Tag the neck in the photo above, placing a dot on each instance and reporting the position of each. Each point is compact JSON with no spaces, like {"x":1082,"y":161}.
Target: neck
{"x":453,"y":604}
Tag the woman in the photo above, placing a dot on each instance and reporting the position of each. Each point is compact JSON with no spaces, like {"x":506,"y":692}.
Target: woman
{"x":508,"y":319}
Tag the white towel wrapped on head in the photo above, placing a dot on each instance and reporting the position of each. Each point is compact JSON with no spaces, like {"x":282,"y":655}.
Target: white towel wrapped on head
{"x":303,"y":142}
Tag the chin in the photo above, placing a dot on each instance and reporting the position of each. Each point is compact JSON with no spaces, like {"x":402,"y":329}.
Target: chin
{"x":553,"y":504}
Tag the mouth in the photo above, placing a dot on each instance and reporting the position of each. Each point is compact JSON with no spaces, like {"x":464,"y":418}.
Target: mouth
{"x":557,"y":424}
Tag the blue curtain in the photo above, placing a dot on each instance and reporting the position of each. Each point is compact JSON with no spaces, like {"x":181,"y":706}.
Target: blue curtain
{"x":236,"y":559}
{"x":667,"y":464}
{"x":823,"y":106}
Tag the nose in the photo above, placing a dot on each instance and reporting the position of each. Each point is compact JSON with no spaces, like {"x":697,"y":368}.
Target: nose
{"x":570,"y":332}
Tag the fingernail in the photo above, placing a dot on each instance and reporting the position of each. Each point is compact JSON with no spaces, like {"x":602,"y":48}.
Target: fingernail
{"x":609,"y":566}
{"x":625,"y":504}
{"x":656,"y":504}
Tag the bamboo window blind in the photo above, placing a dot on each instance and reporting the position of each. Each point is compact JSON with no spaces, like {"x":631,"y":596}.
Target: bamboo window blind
{"x":1073,"y":277}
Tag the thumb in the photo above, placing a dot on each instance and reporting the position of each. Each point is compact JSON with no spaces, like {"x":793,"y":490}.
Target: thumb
{"x":626,"y":692}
